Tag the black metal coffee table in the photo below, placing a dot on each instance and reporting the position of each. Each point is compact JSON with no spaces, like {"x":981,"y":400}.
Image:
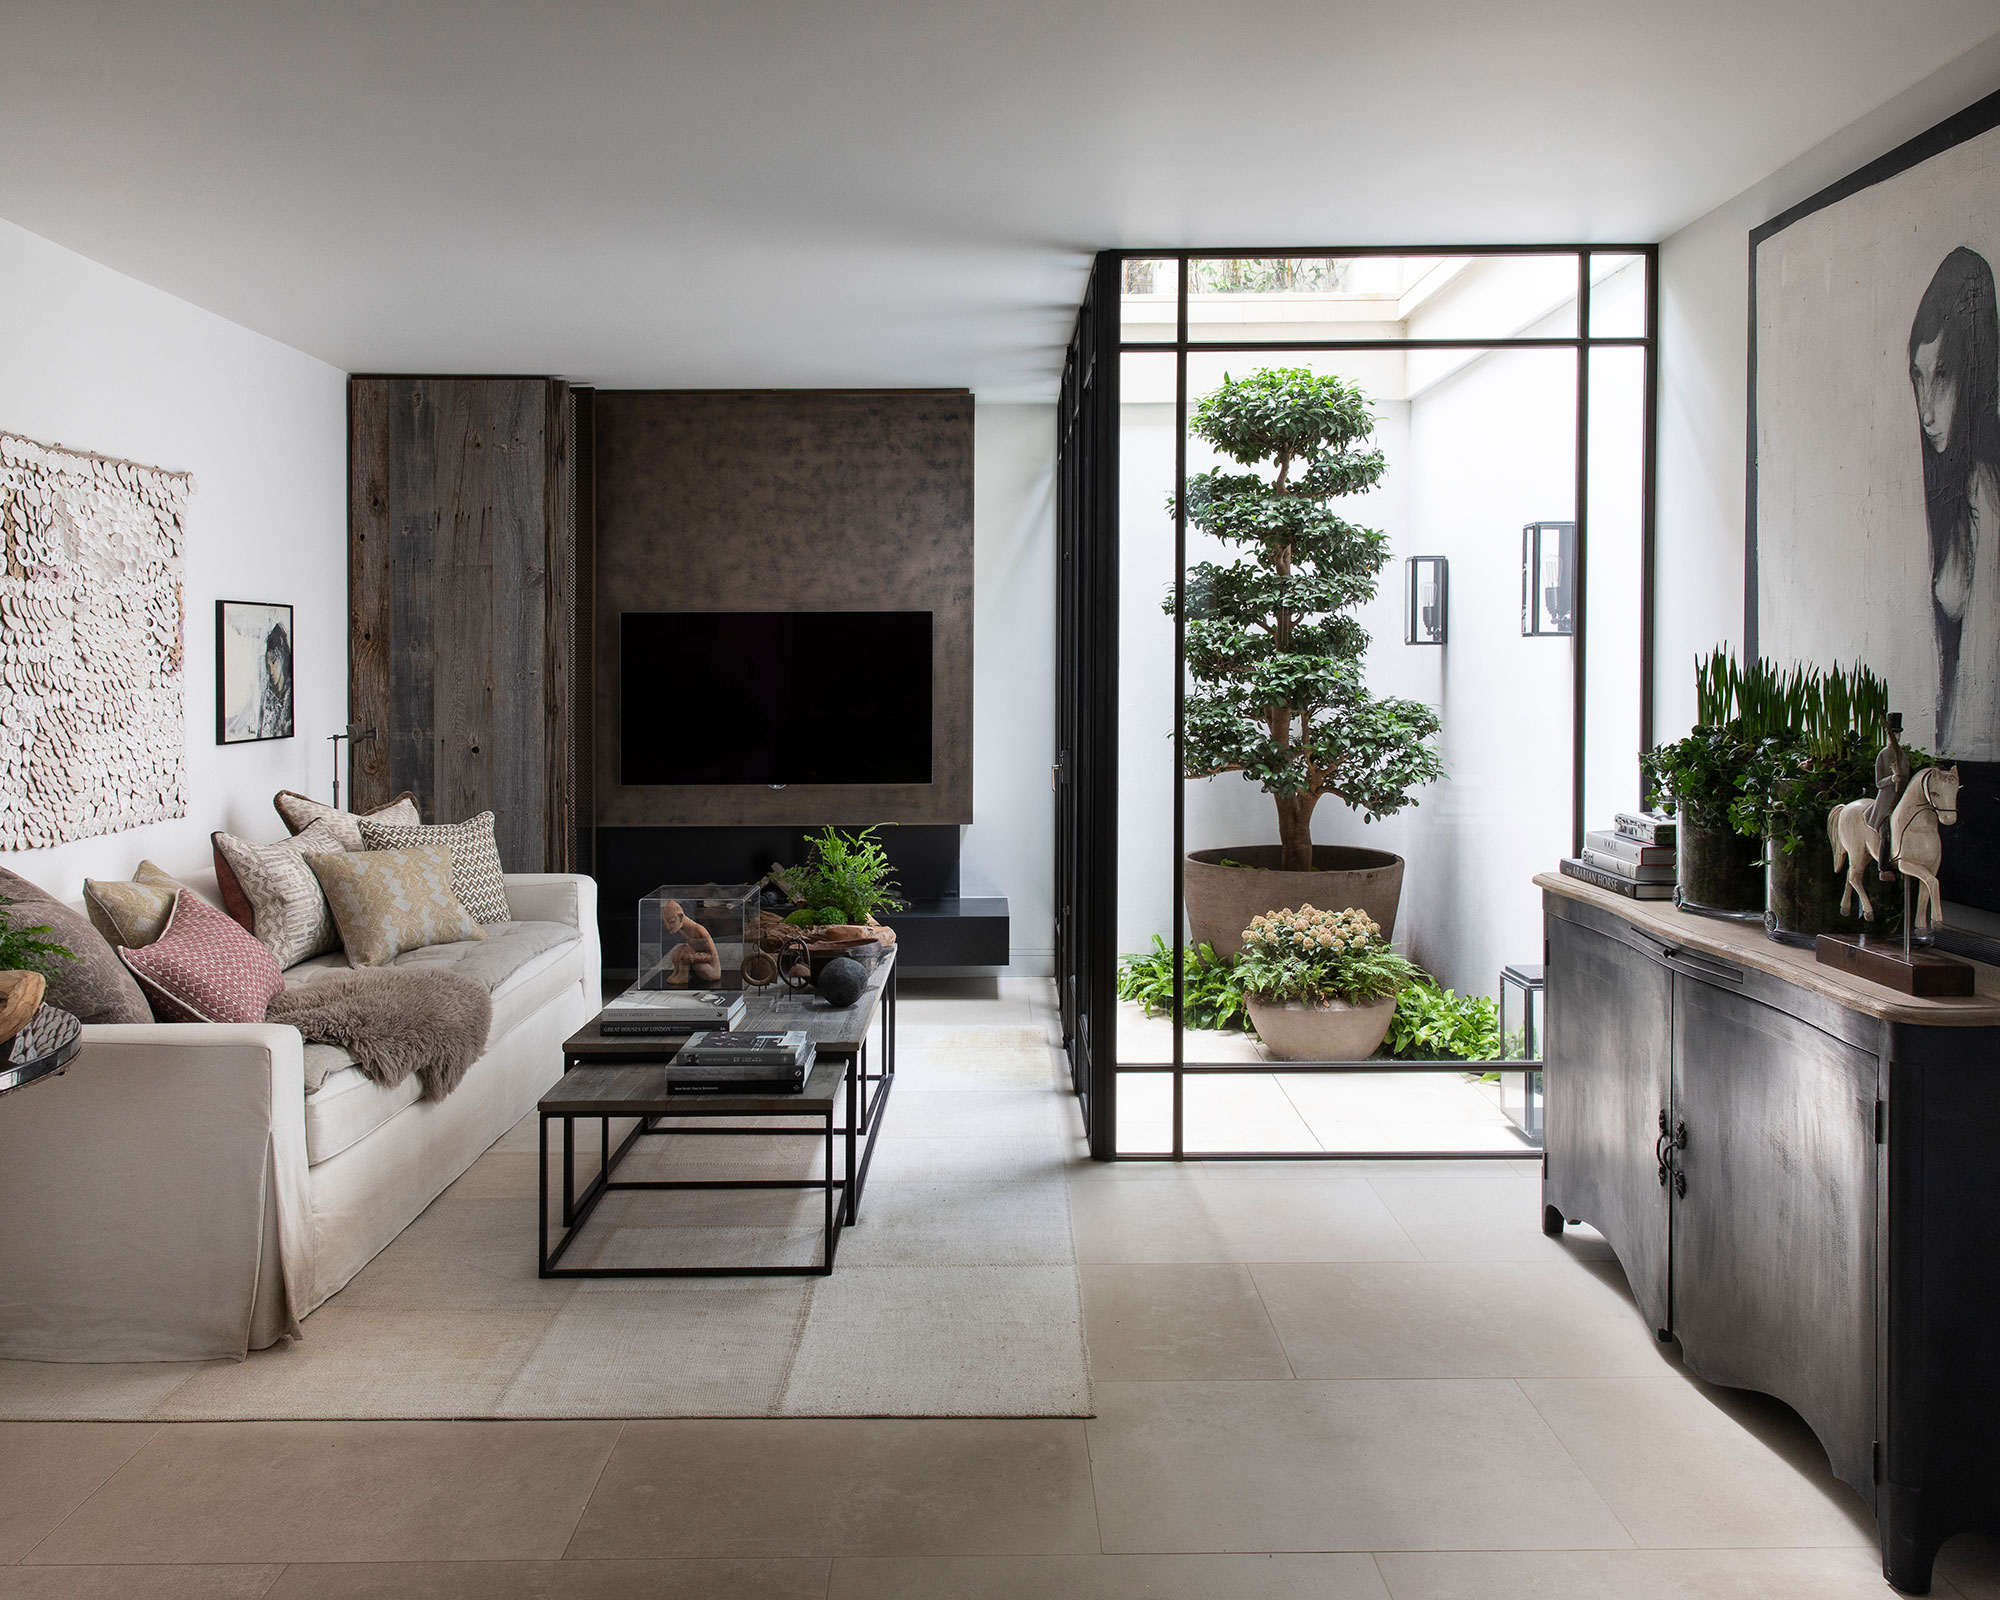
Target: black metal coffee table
{"x":606,"y":1080}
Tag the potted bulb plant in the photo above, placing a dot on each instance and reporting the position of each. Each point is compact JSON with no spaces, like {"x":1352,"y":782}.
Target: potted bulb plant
{"x":1720,"y":871}
{"x":1828,"y":727}
{"x":1321,"y":985}
{"x":1275,"y":656}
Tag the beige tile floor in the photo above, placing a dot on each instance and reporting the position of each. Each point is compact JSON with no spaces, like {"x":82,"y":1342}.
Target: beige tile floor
{"x":1364,"y":1381}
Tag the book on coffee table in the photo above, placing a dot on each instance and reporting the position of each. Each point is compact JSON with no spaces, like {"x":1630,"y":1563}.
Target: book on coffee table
{"x":665,"y":1013}
{"x":742,"y":1063}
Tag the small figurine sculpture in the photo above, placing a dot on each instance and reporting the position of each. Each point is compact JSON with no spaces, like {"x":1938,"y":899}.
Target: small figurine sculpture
{"x":1930,"y":801}
{"x":1898,"y":830}
{"x":1892,"y":777}
{"x":695,"y":958}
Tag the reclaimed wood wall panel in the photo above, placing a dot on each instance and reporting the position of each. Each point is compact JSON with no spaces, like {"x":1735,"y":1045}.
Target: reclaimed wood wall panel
{"x":809,"y":500}
{"x":460,"y":501}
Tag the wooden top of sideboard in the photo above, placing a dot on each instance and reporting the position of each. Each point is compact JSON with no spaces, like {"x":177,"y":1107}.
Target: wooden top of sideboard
{"x":1746,"y":944}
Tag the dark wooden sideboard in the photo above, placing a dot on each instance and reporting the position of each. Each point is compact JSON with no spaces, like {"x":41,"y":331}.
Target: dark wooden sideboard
{"x":1800,"y":1174}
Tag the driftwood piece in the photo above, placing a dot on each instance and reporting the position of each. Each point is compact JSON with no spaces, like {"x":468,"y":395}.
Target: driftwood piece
{"x":20,"y":998}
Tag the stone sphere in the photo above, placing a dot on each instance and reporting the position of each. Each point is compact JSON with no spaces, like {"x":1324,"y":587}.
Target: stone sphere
{"x":841,"y":981}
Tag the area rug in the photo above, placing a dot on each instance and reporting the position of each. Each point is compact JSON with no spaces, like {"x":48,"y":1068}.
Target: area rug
{"x":955,"y":1295}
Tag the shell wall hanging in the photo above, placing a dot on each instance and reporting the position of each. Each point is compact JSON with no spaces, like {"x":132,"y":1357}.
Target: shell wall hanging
{"x":93,"y":660}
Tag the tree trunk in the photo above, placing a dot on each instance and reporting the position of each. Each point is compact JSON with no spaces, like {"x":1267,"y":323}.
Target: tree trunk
{"x":1295,"y":831}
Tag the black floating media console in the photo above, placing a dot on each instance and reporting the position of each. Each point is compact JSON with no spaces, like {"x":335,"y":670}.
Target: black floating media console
{"x":940,"y":928}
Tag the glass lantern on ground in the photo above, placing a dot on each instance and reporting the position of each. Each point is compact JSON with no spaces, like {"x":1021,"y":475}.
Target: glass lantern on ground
{"x":1548,"y":580}
{"x":1521,"y":1040}
{"x":697,"y":936}
{"x":1426,"y":602}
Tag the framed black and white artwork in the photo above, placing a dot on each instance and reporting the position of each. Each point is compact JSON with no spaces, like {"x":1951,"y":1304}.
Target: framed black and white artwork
{"x":1874,"y":488}
{"x":253,"y":671}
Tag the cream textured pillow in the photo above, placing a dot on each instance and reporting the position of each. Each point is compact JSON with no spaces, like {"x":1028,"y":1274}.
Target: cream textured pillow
{"x":300,"y":812}
{"x":475,"y":859}
{"x":131,"y":915}
{"x":389,"y":901}
{"x":289,"y":913}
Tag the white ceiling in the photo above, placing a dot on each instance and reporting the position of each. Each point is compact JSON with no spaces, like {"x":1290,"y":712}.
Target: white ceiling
{"x":751,"y":193}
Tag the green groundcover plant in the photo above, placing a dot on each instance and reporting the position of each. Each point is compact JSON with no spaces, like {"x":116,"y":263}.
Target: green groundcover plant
{"x":1433,"y":1023}
{"x":1213,"y":995}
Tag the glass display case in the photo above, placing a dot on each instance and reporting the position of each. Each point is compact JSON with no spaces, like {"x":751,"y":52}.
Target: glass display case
{"x":697,"y":935}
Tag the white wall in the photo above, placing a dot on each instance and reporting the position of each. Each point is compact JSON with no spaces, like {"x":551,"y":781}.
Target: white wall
{"x":1704,"y":380}
{"x":97,"y":361}
{"x":1010,"y":846}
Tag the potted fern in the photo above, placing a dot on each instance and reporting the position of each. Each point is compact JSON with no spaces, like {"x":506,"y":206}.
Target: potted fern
{"x":1275,"y":654}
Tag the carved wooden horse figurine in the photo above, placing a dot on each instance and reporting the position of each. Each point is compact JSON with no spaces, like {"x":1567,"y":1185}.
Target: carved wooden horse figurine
{"x":1915,"y":846}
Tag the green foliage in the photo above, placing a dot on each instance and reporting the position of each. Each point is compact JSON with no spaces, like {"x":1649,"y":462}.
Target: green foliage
{"x":1313,"y":955}
{"x":1212,"y":992}
{"x":826,"y":917}
{"x":1437,"y":1024}
{"x":1275,"y":659}
{"x":24,"y":950}
{"x":847,"y":876}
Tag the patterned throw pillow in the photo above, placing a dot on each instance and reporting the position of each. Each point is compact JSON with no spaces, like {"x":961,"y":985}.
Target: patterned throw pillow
{"x":475,"y":859}
{"x":389,"y":901}
{"x":288,"y":911}
{"x":93,"y":988}
{"x":205,"y":968}
{"x":300,"y":813}
{"x":131,"y":914}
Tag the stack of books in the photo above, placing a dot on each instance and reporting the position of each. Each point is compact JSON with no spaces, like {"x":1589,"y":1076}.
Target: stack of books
{"x":668,"y":1013}
{"x":1635,"y":857}
{"x":741,"y":1063}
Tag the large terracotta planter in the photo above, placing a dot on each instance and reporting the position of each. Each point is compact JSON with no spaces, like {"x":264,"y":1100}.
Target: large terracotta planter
{"x":1332,"y":1031}
{"x":1222,"y":900}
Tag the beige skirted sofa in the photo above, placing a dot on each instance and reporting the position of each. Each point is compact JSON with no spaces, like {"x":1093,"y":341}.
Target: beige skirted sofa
{"x":179,"y":1194}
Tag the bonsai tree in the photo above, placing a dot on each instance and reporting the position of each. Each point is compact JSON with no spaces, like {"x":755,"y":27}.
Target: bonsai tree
{"x":1275,"y":657}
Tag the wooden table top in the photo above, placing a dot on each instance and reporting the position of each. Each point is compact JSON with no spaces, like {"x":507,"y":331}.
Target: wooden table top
{"x":837,"y":1033}
{"x":1745,"y":944}
{"x":640,"y":1090}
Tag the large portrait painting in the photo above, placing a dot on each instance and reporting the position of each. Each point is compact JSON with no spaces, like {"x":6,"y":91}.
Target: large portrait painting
{"x":1874,"y":529}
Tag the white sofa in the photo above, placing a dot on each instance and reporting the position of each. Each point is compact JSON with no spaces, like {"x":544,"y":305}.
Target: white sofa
{"x":178,"y":1195}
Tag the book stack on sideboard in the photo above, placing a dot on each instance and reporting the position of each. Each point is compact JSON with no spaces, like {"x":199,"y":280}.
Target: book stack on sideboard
{"x":1634,"y":857}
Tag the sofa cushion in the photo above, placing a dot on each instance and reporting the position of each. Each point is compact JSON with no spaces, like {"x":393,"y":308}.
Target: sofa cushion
{"x":205,"y":968}
{"x":93,"y":988}
{"x":299,"y":812}
{"x":288,"y":910}
{"x":476,"y":877}
{"x":524,"y":965}
{"x":131,"y":914}
{"x":389,"y":901}
{"x":348,"y":1106}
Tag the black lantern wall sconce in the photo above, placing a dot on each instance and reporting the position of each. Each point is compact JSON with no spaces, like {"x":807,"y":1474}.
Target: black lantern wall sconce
{"x":1548,"y":580}
{"x":1427,"y":604}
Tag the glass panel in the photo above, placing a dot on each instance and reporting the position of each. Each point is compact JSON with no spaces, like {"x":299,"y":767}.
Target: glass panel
{"x":1145,"y":1113}
{"x":1382,"y":297}
{"x":1146,"y":425}
{"x":1471,"y":454}
{"x":1148,"y":302}
{"x":1612,"y":583}
{"x":1617,"y":297}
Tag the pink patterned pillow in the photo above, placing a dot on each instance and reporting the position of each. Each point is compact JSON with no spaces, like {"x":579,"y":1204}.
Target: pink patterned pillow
{"x":205,"y":967}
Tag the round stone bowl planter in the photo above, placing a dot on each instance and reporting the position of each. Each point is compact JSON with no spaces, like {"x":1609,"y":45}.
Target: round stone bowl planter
{"x":1332,"y":1030}
{"x":1222,"y":900}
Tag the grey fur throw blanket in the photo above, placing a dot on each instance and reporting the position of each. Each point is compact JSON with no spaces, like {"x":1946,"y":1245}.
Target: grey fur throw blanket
{"x":395,"y":1021}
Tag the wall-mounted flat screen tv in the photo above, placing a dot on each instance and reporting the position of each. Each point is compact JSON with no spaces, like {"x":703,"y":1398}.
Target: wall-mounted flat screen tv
{"x":774,"y":697}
